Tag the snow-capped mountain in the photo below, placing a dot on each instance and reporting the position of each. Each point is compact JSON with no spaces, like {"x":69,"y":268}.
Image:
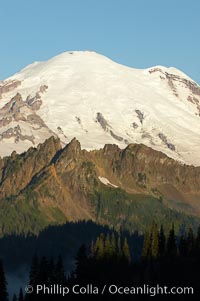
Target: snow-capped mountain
{"x":85,"y":95}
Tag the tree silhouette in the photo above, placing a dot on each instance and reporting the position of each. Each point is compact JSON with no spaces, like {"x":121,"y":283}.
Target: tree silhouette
{"x":183,"y":247}
{"x":107,"y":248}
{"x":126,"y":250}
{"x":43,"y":276}
{"x":162,"y":243}
{"x":99,"y":247}
{"x":113,"y":245}
{"x":197,"y":243}
{"x":34,"y":271}
{"x":14,"y":297}
{"x":190,"y":241}
{"x":92,"y":249}
{"x":105,"y":261}
{"x":59,"y":272}
{"x":81,"y":263}
{"x":154,"y":239}
{"x":21,"y":297}
{"x":52,"y":271}
{"x":171,"y":244}
{"x":146,"y":247}
{"x":3,"y":284}
{"x":119,"y":248}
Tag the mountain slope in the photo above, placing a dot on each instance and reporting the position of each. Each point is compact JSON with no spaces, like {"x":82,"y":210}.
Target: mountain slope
{"x":128,"y":187}
{"x":87,"y":95}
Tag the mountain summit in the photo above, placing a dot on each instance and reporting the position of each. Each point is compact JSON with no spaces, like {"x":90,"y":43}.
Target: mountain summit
{"x":87,"y":95}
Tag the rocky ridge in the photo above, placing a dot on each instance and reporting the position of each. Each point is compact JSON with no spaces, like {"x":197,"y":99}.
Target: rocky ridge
{"x":66,"y":179}
{"x":19,"y":121}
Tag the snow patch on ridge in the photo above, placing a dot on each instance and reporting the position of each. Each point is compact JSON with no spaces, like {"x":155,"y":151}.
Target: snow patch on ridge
{"x":107,"y":182}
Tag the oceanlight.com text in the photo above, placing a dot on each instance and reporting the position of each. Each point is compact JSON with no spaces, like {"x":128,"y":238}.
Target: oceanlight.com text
{"x":111,"y":289}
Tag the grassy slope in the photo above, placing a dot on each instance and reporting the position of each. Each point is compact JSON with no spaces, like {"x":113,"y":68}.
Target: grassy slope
{"x":136,"y":212}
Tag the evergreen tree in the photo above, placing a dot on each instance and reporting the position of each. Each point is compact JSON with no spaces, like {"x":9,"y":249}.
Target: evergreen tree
{"x":154,"y":241}
{"x":107,"y":247}
{"x":197,"y":243}
{"x":171,"y":244}
{"x":81,"y":263}
{"x":59,"y":272}
{"x":96,"y":245}
{"x":92,"y":249}
{"x":51,"y":272}
{"x":100,"y":246}
{"x":126,"y":250}
{"x":119,"y":248}
{"x":21,"y":297}
{"x":3,"y":284}
{"x":190,"y":242}
{"x":113,"y":245}
{"x":146,"y":246}
{"x":34,"y":271}
{"x":183,"y":248}
{"x":14,"y":297}
{"x":162,"y":242}
{"x":43,"y":276}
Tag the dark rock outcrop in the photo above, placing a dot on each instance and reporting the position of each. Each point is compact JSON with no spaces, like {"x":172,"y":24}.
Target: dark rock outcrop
{"x":102,"y":121}
{"x":17,"y":171}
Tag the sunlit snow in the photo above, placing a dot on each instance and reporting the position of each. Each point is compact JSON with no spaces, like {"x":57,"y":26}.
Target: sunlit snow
{"x":83,"y":83}
{"x":106,"y":182}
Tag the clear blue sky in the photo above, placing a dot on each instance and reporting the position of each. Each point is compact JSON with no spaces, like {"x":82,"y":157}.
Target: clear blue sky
{"x":137,"y":33}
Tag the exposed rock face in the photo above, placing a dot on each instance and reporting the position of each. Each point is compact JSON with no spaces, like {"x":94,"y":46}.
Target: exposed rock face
{"x":69,"y":154}
{"x":19,"y":121}
{"x":63,"y":178}
{"x":35,"y":102}
{"x":35,"y":120}
{"x":135,"y":125}
{"x":5,"y":121}
{"x":140,"y":115}
{"x":158,"y":168}
{"x":102,"y":121}
{"x":166,"y":142}
{"x":194,"y":88}
{"x":16,"y":133}
{"x":139,"y":169}
{"x":7,"y":86}
{"x":106,"y":127}
{"x":174,"y":81}
{"x":43,"y":88}
{"x":13,"y":105}
{"x":116,"y":137}
{"x":17,"y":171}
